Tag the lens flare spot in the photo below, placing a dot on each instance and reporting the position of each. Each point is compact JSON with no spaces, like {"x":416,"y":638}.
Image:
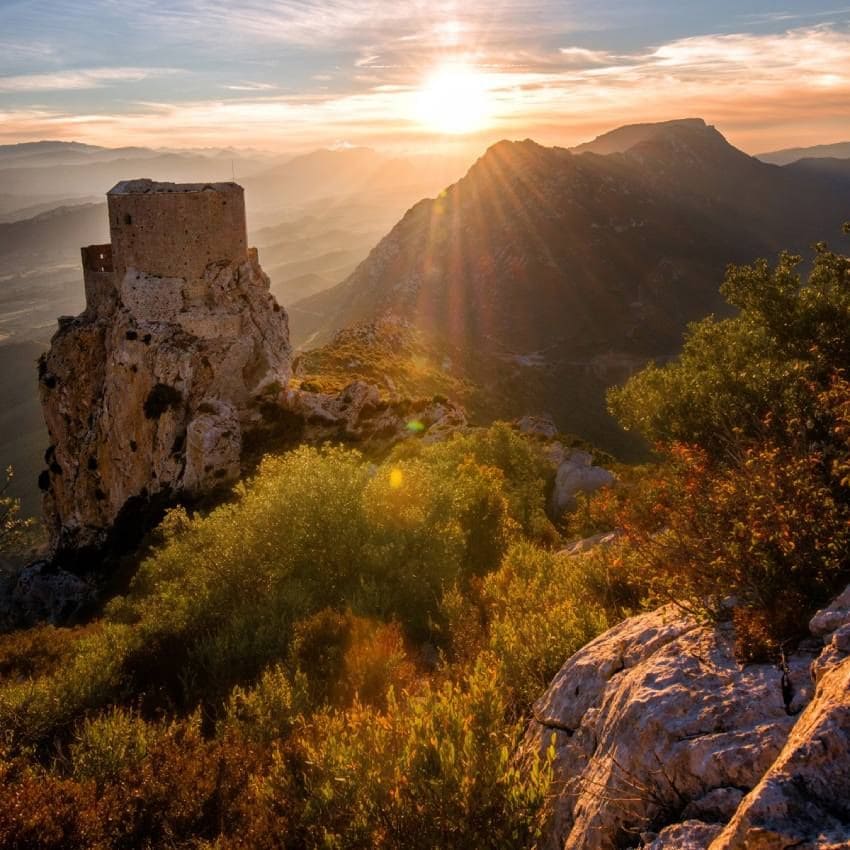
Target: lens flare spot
{"x":416,"y":426}
{"x":396,"y":478}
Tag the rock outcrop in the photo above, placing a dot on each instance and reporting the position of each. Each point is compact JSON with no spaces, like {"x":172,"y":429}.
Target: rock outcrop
{"x":152,"y":391}
{"x":575,"y":471}
{"x":663,"y":740}
{"x":803,"y":801}
{"x":360,"y":415}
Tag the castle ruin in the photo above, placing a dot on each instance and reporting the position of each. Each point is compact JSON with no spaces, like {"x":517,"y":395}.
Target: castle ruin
{"x":151,"y":391}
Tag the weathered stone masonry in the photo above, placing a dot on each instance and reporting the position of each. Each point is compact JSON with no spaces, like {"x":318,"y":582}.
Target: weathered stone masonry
{"x":150,"y":392}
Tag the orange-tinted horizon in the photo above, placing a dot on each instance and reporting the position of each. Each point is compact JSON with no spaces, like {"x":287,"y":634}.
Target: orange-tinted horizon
{"x":762,"y":91}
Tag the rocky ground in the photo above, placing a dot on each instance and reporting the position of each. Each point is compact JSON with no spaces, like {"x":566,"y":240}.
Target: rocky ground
{"x":663,"y":740}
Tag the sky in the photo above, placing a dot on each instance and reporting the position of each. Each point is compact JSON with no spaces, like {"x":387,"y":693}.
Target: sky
{"x":406,"y":75}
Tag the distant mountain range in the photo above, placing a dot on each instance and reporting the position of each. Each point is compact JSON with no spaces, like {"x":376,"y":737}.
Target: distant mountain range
{"x":839,"y":150}
{"x":546,"y":275}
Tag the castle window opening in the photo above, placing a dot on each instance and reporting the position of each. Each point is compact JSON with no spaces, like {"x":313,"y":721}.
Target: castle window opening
{"x":128,"y":219}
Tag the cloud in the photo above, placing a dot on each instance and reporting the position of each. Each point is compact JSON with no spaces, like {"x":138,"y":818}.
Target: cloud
{"x":783,"y":17}
{"x":763,"y":90}
{"x":26,"y":51}
{"x":90,"y":78}
{"x":250,"y":87}
{"x":580,"y":56}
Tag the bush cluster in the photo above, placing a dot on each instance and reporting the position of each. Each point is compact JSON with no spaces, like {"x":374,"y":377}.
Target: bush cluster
{"x":345,"y":654}
{"x":277,"y":674}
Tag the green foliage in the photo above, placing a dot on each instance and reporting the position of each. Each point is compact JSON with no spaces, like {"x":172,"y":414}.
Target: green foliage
{"x":273,"y":676}
{"x":540,"y":613}
{"x":768,"y":532}
{"x":340,"y":657}
{"x":15,"y":532}
{"x":267,"y":711}
{"x":751,"y":509}
{"x":760,"y":369}
{"x":432,"y":770}
{"x":33,"y":709}
{"x":108,"y":744}
{"x":520,"y":460}
{"x":216,"y":602}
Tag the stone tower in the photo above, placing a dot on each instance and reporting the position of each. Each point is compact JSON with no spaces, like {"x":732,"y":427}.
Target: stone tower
{"x":168,"y":230}
{"x":150,"y":392}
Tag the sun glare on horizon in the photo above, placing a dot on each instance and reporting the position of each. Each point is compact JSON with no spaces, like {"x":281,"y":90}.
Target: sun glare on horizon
{"x":454,"y":99}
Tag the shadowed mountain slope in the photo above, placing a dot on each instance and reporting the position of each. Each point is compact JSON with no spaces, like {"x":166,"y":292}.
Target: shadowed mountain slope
{"x":546,"y":275}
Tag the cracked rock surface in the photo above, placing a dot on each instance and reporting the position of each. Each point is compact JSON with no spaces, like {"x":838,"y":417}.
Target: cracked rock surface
{"x":655,"y":725}
{"x":151,"y":391}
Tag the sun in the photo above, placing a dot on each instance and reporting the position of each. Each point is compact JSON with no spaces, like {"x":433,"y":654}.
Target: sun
{"x":455,"y":98}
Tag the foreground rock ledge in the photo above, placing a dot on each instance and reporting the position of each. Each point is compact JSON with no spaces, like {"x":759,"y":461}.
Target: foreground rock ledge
{"x":663,"y":740}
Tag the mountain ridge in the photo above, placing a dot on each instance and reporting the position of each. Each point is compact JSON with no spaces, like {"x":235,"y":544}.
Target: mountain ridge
{"x":547,"y":267}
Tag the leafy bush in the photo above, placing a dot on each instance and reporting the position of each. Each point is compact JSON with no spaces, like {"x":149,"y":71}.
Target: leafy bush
{"x":754,"y":374}
{"x":540,"y":614}
{"x":767,"y":534}
{"x":342,"y":657}
{"x":215,"y":603}
{"x":16,"y":532}
{"x":433,"y":770}
{"x":751,"y":509}
{"x":263,"y":683}
{"x":108,"y":744}
{"x":267,"y":711}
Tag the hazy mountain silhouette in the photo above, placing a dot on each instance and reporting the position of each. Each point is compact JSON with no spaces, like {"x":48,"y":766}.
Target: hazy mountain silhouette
{"x":546,"y":274}
{"x":838,"y":150}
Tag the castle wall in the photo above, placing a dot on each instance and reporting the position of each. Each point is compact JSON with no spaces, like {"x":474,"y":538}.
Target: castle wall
{"x":98,"y":275}
{"x":176,"y":230}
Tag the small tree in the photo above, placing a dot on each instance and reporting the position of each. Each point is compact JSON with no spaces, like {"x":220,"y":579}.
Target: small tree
{"x":14,"y":530}
{"x":757,"y":375}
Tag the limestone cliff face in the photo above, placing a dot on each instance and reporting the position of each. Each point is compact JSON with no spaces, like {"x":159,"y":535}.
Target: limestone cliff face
{"x":663,"y":740}
{"x":151,"y":392}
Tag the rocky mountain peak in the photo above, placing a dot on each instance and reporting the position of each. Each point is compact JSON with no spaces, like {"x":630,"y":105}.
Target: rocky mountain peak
{"x":626,"y":137}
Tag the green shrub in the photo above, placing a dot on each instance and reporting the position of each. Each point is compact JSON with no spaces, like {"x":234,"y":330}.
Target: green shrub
{"x":540,"y":613}
{"x":16,"y":532}
{"x":341,"y":657}
{"x":433,"y":770}
{"x":267,"y":711}
{"x":754,"y":374}
{"x":768,"y":534}
{"x":108,"y":744}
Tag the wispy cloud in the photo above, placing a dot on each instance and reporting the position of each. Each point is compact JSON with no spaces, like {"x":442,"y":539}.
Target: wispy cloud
{"x":788,"y":16}
{"x":87,"y":78}
{"x":360,"y":22}
{"x":250,"y":87}
{"x":763,"y":89}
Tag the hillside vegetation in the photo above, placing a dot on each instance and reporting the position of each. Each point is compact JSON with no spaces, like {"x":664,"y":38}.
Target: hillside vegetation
{"x":344,"y":654}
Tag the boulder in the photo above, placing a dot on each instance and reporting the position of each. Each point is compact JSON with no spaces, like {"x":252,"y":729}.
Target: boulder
{"x":688,"y":835}
{"x":41,"y":592}
{"x":654,"y":718}
{"x":803,"y":800}
{"x":662,"y":740}
{"x":575,"y":474}
{"x":537,"y":425}
{"x":359,"y":414}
